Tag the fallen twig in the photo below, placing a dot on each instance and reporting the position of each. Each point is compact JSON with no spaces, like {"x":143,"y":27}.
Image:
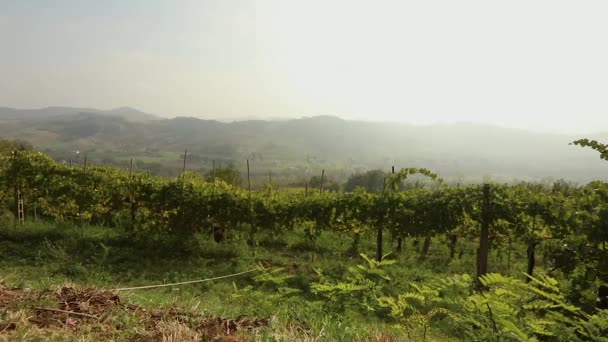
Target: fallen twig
{"x":67,"y":312}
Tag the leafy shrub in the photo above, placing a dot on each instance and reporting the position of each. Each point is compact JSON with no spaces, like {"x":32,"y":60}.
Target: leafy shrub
{"x":7,"y":219}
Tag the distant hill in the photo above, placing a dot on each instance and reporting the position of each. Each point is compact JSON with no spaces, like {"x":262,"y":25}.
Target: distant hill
{"x":127,"y":113}
{"x":298,"y":148}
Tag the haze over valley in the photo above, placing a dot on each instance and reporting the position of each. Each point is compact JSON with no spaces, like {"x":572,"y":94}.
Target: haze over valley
{"x":296,"y":149}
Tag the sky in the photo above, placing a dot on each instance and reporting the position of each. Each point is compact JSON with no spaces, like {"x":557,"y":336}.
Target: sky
{"x":533,"y":64}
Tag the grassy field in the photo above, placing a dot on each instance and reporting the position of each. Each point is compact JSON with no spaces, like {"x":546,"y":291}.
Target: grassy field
{"x":46,"y":266}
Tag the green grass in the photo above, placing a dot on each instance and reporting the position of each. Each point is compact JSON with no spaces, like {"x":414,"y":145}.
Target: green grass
{"x":48,"y":255}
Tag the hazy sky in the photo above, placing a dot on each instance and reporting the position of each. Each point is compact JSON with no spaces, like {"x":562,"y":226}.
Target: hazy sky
{"x":541,"y":65}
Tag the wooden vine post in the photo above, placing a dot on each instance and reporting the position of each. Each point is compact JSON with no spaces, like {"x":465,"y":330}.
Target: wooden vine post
{"x":322,"y":178}
{"x":531,"y":253}
{"x":484,"y":243}
{"x":213,"y":171}
{"x":84,"y":172}
{"x":379,"y":242}
{"x":509,"y":254}
{"x":213,"y":175}
{"x":248,"y":180}
{"x":131,"y":199}
{"x":453,"y":239}
{"x":20,"y":211}
{"x":379,"y":239}
{"x":399,"y":237}
{"x":250,"y":211}
{"x":16,"y":189}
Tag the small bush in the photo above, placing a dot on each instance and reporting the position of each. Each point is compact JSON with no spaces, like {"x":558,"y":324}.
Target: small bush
{"x":7,"y":219}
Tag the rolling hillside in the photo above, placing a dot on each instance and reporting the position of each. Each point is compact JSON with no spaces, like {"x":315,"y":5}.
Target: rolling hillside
{"x":301,"y":147}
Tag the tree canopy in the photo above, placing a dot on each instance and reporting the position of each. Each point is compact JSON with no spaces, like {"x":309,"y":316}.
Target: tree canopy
{"x":228,"y":174}
{"x":372,"y":181}
{"x":14,"y":145}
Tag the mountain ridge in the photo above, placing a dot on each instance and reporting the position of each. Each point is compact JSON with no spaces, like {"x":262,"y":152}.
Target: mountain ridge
{"x":9,"y":113}
{"x":307,"y":144}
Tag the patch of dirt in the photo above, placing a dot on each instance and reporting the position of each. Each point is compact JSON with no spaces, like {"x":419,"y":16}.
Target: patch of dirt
{"x":91,"y":311}
{"x":10,"y":296}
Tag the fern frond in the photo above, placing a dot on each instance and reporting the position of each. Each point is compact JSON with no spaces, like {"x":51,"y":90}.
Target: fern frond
{"x":510,"y":327}
{"x":539,"y":327}
{"x":545,"y":281}
{"x":411,"y":295}
{"x":491,"y":279}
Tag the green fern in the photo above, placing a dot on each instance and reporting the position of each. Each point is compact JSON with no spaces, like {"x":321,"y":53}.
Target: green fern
{"x":507,"y":309}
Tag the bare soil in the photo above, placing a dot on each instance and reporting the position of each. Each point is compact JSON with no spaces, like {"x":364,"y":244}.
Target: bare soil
{"x":102,"y":315}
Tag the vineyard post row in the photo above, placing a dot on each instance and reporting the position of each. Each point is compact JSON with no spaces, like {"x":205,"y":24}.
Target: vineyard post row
{"x":106,"y":195}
